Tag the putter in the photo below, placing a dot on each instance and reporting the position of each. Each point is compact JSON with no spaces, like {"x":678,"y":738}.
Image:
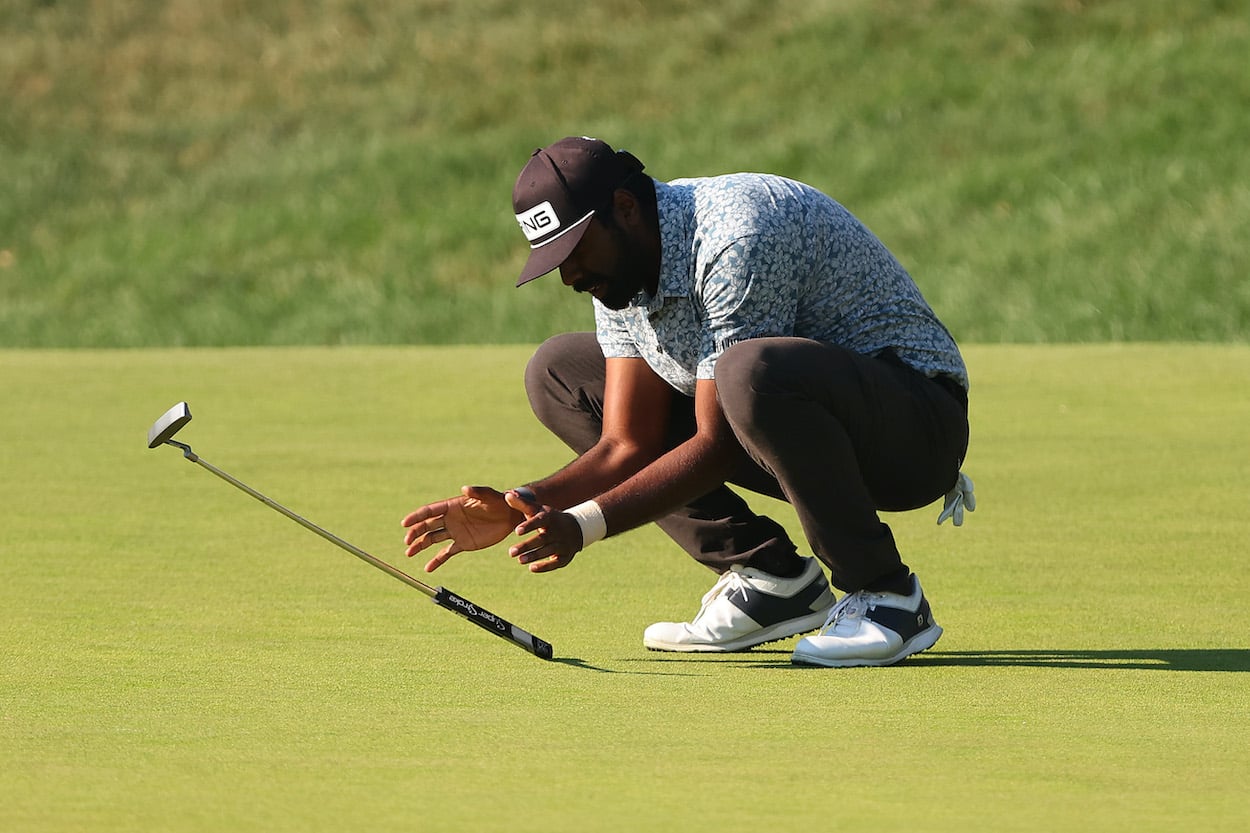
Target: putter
{"x":173,"y":420}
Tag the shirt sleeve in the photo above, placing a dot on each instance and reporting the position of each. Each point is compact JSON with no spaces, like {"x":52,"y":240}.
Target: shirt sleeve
{"x":612,"y":334}
{"x":750,"y":290}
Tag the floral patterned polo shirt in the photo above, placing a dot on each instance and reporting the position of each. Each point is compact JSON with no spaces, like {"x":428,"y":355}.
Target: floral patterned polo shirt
{"x":753,"y":255}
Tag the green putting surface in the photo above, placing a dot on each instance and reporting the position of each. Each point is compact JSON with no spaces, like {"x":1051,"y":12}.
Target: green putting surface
{"x":175,"y":656}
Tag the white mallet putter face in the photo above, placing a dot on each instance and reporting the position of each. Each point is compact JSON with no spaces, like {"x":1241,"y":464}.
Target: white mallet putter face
{"x":170,"y":423}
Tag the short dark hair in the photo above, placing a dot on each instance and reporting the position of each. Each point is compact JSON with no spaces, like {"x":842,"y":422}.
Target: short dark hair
{"x":642,"y":187}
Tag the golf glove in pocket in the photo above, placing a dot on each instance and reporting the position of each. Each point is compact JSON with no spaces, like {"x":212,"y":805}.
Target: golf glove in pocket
{"x":957,"y":499}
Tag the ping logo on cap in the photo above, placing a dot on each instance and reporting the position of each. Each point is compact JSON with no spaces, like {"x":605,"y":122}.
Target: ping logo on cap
{"x":538,"y":221}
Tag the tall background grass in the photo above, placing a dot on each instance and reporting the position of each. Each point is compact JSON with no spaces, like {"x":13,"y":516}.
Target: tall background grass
{"x":220,"y":172}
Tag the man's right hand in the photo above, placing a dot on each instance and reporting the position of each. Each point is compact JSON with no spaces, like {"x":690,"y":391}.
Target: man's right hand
{"x":477,"y":519}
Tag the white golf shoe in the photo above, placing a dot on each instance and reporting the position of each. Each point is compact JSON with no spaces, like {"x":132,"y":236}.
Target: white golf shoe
{"x":867,"y":628}
{"x":748,"y":607}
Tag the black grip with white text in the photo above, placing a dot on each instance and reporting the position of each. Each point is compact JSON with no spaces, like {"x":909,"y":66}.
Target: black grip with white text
{"x":485,"y":619}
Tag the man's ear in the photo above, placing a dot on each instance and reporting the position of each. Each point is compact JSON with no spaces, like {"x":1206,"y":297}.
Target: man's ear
{"x":625,"y":207}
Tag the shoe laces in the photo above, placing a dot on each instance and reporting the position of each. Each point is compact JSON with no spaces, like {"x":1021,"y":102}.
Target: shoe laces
{"x":852,"y":606}
{"x":730,"y":582}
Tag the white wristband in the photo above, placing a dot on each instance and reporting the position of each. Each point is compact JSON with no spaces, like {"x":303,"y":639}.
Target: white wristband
{"x":590,"y":518}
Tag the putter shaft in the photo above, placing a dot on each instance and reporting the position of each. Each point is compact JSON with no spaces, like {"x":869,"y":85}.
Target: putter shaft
{"x":441,"y":596}
{"x":307,"y":524}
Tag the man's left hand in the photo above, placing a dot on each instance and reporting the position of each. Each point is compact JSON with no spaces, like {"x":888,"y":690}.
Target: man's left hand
{"x":558,"y":537}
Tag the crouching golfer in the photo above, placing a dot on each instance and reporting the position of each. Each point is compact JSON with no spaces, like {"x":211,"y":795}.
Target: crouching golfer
{"x":750,"y":331}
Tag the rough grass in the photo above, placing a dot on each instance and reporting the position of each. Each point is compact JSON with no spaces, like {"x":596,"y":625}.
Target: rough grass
{"x":217,"y":173}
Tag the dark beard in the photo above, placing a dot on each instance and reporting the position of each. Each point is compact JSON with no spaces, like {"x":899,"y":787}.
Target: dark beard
{"x":618,"y":297}
{"x":626,"y":279}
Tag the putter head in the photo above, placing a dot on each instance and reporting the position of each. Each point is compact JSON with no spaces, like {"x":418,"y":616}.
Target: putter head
{"x":170,"y":423}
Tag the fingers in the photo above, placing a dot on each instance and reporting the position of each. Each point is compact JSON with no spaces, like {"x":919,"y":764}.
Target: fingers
{"x":426,"y":541}
{"x":520,"y":504}
{"x":482,"y":493}
{"x":530,"y":550}
{"x":422,"y":534}
{"x":534,"y":548}
{"x":556,"y":540}
{"x":481,"y":517}
{"x":540,"y":555}
{"x":555,"y":562}
{"x":960,"y":498}
{"x":536,"y":516}
{"x":443,"y":556}
{"x":426,"y":526}
{"x":425,"y":513}
{"x":532,"y":523}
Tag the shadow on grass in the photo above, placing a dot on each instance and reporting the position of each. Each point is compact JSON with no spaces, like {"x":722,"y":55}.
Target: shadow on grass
{"x":1159,"y":659}
{"x":574,"y":662}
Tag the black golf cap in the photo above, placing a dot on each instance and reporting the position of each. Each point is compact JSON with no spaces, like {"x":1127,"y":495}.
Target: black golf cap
{"x":558,"y":192}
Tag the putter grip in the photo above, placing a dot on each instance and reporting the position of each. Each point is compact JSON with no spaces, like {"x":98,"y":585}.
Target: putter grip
{"x":485,"y":619}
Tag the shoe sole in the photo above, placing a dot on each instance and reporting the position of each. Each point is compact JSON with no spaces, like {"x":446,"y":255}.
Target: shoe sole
{"x":774,"y":633}
{"x":922,"y":641}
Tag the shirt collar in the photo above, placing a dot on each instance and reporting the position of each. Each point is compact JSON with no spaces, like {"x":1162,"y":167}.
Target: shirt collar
{"x":675,"y":209}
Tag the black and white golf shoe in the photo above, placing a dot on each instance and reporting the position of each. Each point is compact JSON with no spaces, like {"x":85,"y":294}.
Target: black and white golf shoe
{"x":748,"y":607}
{"x":867,"y":628}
